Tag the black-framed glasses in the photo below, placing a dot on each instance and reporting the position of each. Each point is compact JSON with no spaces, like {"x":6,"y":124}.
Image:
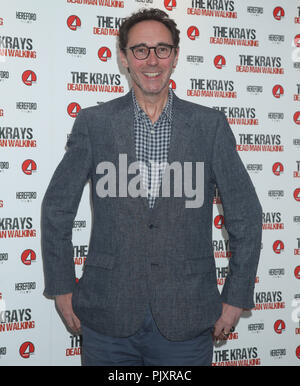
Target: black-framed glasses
{"x":141,"y":51}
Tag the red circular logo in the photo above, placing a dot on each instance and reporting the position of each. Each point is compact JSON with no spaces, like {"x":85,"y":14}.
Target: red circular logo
{"x":29,"y":77}
{"x":219,"y":62}
{"x":277,"y":91}
{"x":73,"y":109}
{"x":170,"y":4}
{"x":277,"y":168}
{"x":193,"y":32}
{"x":297,"y":117}
{"x":73,"y":22}
{"x":297,"y":272}
{"x":28,"y":256}
{"x":26,"y":349}
{"x":278,"y":247}
{"x":278,"y":13}
{"x":29,"y":166}
{"x":297,"y":194}
{"x":172,"y":84}
{"x":219,"y":221}
{"x":104,"y":53}
{"x":279,"y":326}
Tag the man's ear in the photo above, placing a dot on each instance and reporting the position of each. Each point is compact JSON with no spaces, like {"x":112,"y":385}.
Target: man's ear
{"x":176,"y":57}
{"x":123,"y":58}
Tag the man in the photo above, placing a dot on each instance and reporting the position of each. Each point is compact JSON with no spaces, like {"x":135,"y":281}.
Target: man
{"x":148,"y":294}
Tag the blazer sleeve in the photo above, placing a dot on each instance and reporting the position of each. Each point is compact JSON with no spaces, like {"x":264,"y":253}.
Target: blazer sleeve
{"x":242,"y":218}
{"x":59,"y":208}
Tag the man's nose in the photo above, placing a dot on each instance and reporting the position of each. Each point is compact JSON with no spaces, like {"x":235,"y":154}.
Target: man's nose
{"x":152,"y":59}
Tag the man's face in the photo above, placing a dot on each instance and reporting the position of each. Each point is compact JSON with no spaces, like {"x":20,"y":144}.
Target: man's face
{"x":150,"y":76}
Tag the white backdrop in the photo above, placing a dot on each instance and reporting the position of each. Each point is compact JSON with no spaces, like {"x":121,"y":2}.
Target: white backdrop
{"x":239,"y":56}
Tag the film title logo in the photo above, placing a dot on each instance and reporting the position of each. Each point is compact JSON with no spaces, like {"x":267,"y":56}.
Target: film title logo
{"x":260,"y":64}
{"x":239,"y":115}
{"x":16,"y":320}
{"x":75,"y":346}
{"x":95,"y":82}
{"x":11,"y":46}
{"x":236,"y":357}
{"x":73,"y":22}
{"x":259,"y":142}
{"x":271,"y":300}
{"x":108,"y":25}
{"x":272,"y":221}
{"x":234,"y":36}
{"x":297,"y":95}
{"x":16,"y":137}
{"x":297,"y":250}
{"x":212,"y":88}
{"x":100,"y":3}
{"x":80,"y":254}
{"x":15,"y":227}
{"x":213,"y":8}
{"x":297,"y":21}
{"x":221,"y":248}
{"x":296,"y":173}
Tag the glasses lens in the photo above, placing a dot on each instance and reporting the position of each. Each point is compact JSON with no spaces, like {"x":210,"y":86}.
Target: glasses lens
{"x":163,"y":52}
{"x":141,"y":52}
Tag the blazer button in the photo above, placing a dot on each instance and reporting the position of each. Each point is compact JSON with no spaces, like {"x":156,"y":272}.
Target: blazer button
{"x":151,"y":226}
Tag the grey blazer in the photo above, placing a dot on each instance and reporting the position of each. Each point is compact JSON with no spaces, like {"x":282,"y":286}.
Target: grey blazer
{"x":162,"y":256}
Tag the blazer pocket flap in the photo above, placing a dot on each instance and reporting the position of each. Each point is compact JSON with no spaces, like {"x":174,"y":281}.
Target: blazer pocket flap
{"x":200,"y":265}
{"x":103,"y":260}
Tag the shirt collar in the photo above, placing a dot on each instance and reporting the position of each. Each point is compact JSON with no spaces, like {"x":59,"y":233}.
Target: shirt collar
{"x":167,"y":111}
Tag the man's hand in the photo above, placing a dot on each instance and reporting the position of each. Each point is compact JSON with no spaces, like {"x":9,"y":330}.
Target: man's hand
{"x":64,"y":305}
{"x":229,"y":318}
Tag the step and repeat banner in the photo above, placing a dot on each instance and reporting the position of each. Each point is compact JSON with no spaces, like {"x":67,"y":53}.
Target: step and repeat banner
{"x":238,"y":56}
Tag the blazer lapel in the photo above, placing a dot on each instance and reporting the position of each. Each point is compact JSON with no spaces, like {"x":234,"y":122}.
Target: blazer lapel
{"x":123,"y":130}
{"x":181,"y":135}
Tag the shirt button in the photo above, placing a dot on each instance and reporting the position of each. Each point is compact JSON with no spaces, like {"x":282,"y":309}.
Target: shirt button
{"x":152,"y":131}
